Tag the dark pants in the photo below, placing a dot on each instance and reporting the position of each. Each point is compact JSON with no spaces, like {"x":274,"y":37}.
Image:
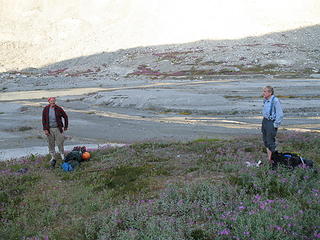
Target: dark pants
{"x":269,"y":133}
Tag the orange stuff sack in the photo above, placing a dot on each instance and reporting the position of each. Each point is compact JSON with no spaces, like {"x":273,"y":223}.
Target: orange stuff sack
{"x":86,"y":156}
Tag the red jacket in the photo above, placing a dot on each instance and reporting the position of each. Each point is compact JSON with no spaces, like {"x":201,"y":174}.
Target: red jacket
{"x":60,"y":113}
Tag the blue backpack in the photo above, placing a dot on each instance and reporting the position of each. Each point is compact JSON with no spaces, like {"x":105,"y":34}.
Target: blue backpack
{"x":67,"y":167}
{"x":70,"y":165}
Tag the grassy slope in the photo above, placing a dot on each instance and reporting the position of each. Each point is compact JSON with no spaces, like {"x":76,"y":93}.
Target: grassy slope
{"x":196,"y":190}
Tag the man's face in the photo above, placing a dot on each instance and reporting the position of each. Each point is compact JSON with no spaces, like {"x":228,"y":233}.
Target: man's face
{"x":266,"y":93}
{"x":52,"y":102}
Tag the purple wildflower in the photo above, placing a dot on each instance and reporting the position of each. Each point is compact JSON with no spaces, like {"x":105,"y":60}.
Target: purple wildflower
{"x":220,"y":223}
{"x":225,"y":231}
{"x":262,"y":205}
{"x":242,"y":207}
{"x":180,"y":202}
{"x":270,"y":201}
{"x":191,"y":222}
{"x":279,"y":228}
{"x":257,"y":197}
{"x":252,"y":212}
{"x":119,"y":221}
{"x":116,"y":212}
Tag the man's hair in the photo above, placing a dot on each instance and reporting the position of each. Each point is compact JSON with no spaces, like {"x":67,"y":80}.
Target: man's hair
{"x":270,"y":89}
{"x":51,"y":98}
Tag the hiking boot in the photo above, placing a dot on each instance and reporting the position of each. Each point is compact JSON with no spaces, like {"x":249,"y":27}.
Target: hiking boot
{"x":52,"y":163}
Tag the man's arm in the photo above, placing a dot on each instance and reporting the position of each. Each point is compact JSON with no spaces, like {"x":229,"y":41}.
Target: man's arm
{"x":279,"y":114}
{"x":65,"y":117}
{"x":45,"y":123}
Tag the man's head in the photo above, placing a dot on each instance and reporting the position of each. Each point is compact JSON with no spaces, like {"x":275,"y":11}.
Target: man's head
{"x":52,"y":101}
{"x":267,"y":92}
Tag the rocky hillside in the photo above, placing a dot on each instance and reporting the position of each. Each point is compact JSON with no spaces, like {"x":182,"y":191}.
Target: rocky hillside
{"x":287,"y":54}
{"x":82,"y":35}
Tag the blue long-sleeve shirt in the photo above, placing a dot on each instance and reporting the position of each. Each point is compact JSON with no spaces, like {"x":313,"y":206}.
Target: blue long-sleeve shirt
{"x":276,"y":112}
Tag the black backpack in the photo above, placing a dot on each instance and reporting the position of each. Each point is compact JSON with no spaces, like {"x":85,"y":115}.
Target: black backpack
{"x":290,"y":160}
{"x":73,"y":156}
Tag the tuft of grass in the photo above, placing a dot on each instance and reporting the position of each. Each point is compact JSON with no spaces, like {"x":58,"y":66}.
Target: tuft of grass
{"x":297,"y":96}
{"x":24,"y":128}
{"x":20,"y":129}
{"x":199,"y":234}
{"x":203,"y":140}
{"x":185,"y":113}
{"x":234,"y":97}
{"x":266,"y":69}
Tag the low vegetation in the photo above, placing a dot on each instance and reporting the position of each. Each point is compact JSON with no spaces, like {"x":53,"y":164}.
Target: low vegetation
{"x":198,"y":190}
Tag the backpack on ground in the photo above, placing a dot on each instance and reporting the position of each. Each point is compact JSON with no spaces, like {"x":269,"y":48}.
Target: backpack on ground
{"x":73,"y":156}
{"x":290,"y":160}
{"x":73,"y":159}
{"x":76,"y":154}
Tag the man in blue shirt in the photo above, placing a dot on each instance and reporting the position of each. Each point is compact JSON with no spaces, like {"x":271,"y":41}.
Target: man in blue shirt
{"x":272,"y":117}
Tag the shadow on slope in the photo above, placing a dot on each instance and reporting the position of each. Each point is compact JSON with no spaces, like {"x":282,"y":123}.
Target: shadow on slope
{"x":293,"y":53}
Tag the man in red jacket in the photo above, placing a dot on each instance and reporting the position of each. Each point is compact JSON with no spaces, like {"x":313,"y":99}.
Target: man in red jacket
{"x":54,"y":127}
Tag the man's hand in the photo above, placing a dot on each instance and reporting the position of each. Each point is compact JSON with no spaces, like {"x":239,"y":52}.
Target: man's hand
{"x":65,"y":129}
{"x":46,"y":132}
